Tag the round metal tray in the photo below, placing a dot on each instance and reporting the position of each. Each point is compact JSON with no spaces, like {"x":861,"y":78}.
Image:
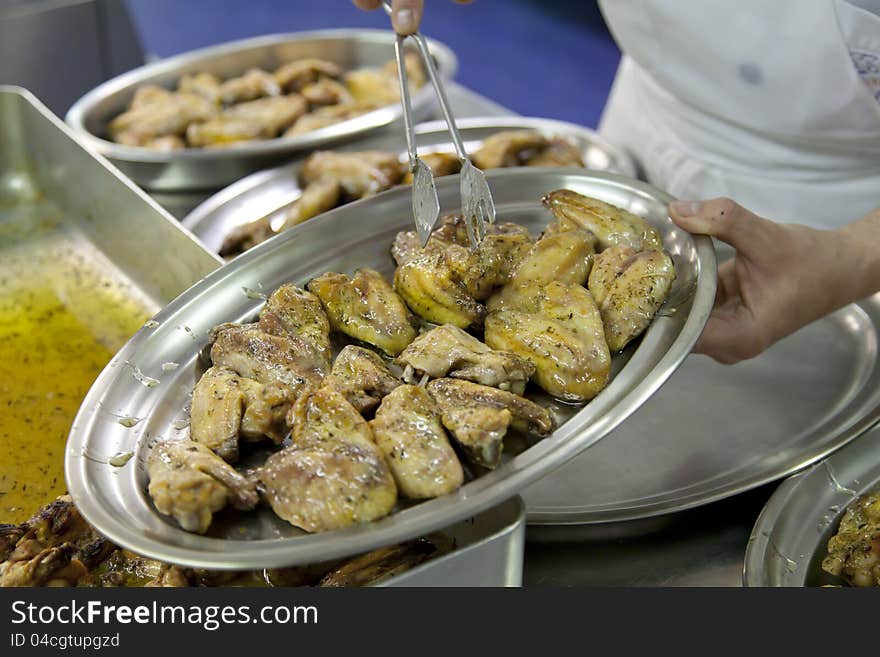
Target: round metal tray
{"x":114,"y":500}
{"x":716,"y":430}
{"x":789,"y":539}
{"x":196,"y":168}
{"x":268,"y":192}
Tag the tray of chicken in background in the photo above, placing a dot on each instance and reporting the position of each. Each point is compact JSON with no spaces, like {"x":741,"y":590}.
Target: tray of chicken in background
{"x":206,"y":118}
{"x":266,"y":203}
{"x":297,"y":448}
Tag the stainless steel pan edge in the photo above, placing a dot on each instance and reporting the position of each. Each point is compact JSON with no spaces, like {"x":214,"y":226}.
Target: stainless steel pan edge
{"x":212,"y":168}
{"x":643,"y":375}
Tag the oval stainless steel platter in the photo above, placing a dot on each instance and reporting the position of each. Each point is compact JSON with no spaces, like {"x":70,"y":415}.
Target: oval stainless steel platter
{"x":716,"y":430}
{"x":196,"y":168}
{"x":267,"y":193}
{"x":114,"y":499}
{"x":790,"y":537}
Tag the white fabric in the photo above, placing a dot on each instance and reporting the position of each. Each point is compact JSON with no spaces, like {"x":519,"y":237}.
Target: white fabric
{"x":762,"y":101}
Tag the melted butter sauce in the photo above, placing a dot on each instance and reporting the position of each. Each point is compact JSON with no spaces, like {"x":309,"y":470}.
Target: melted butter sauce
{"x":62,"y":317}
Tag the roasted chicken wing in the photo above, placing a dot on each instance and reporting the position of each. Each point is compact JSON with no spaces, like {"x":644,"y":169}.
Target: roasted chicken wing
{"x":365,"y":307}
{"x":478,"y":417}
{"x":854,"y":551}
{"x":433,"y":290}
{"x":359,"y":174}
{"x":449,"y":351}
{"x":409,"y":434}
{"x":509,"y":148}
{"x":629,"y":288}
{"x":332,"y":475}
{"x":254,"y":84}
{"x":298,"y":74}
{"x":191,"y":483}
{"x":362,"y":377}
{"x":611,"y":225}
{"x":263,"y":118}
{"x":161,"y":115}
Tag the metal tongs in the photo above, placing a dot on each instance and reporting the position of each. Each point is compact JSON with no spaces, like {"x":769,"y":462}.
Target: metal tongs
{"x":477,"y":205}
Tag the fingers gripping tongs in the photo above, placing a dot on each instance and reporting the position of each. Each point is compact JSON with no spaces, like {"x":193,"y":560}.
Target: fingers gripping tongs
{"x":476,"y":200}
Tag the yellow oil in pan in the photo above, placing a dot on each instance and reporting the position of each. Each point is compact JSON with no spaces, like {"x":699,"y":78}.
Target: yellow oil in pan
{"x":64,"y":312}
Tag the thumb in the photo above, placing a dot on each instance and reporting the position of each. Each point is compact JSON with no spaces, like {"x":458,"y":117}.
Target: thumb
{"x":721,"y":218}
{"x":406,"y":15}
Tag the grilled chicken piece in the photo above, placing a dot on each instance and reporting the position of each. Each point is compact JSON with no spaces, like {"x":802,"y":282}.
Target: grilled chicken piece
{"x":359,"y":174}
{"x":206,"y":85}
{"x":449,"y":351}
{"x":559,"y":152}
{"x":478,"y":417}
{"x":263,"y":118}
{"x":162,"y":116}
{"x":362,"y":377}
{"x":558,"y":328}
{"x":191,"y":483}
{"x":56,"y":547}
{"x":854,"y":551}
{"x":326,"y":92}
{"x":290,"y":310}
{"x":318,"y":197}
{"x":509,"y":148}
{"x":150,"y":93}
{"x":381,"y":86}
{"x":563,"y":257}
{"x":440,"y":164}
{"x":432,"y":290}
{"x":250,"y":352}
{"x":409,"y":434}
{"x":254,"y":84}
{"x":379,"y":565}
{"x":332,"y":475}
{"x":490,"y":264}
{"x":302,"y":72}
{"x":629,"y":289}
{"x":326,"y":116}
{"x":611,"y":225}
{"x":365,"y":307}
{"x":407,"y":247}
{"x":227,"y":407}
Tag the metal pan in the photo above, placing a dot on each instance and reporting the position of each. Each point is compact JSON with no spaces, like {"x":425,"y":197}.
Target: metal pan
{"x":489,"y":552}
{"x":269,"y":192}
{"x":789,"y":539}
{"x":714,"y":430}
{"x":357,"y":235}
{"x":210,"y":169}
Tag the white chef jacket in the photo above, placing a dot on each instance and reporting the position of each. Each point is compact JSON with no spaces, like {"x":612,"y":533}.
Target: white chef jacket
{"x":774,"y":103}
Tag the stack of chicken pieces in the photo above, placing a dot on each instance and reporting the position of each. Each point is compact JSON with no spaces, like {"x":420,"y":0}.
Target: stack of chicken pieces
{"x":550,"y":312}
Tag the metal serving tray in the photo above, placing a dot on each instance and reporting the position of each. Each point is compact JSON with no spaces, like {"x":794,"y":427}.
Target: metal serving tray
{"x":715,"y":430}
{"x":790,"y":538}
{"x":269,"y":192}
{"x":114,"y":499}
{"x":213,"y":168}
{"x":488,"y":552}
{"x":45,"y":171}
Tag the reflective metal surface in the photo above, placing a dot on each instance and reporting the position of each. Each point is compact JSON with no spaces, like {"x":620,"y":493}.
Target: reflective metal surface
{"x":114,"y":499}
{"x":211,"y":168}
{"x":717,"y":430}
{"x":488,"y":552}
{"x":789,"y":539}
{"x":42,"y":165}
{"x":270,"y":192}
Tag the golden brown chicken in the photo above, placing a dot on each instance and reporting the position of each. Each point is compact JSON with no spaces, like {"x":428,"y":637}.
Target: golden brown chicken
{"x":365,"y":307}
{"x":558,"y":328}
{"x":611,"y":225}
{"x":629,"y":289}
{"x":162,"y":115}
{"x":206,"y":85}
{"x":362,"y":377}
{"x":254,"y":84}
{"x":449,"y":351}
{"x":434,"y":292}
{"x":854,"y":551}
{"x":227,"y":408}
{"x":332,"y":475}
{"x":296,"y":75}
{"x":360,"y":173}
{"x":191,"y":483}
{"x":478,"y":417}
{"x":509,"y":148}
{"x":323,"y":117}
{"x":263,"y":118}
{"x":409,"y":434}
{"x":325,"y":92}
{"x":381,"y":86}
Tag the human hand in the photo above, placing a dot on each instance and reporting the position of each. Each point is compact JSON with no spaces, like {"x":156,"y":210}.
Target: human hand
{"x":782,"y":277}
{"x":406,"y":15}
